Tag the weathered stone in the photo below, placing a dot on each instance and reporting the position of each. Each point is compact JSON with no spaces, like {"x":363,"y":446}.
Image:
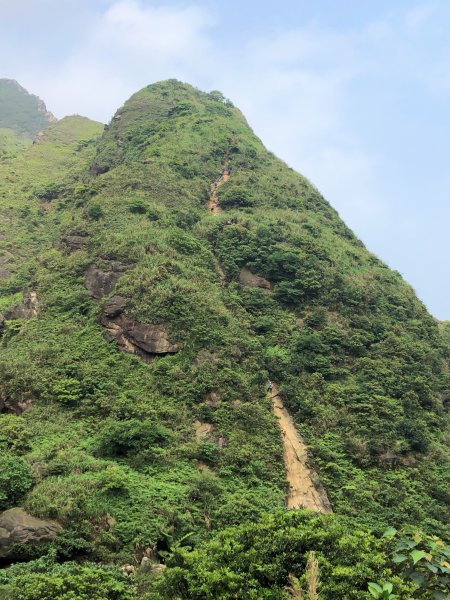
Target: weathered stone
{"x":26,"y":309}
{"x":72,"y":243}
{"x":18,"y":527}
{"x":134,"y":337}
{"x":114,"y":307}
{"x":246,"y":277}
{"x":150,"y":338}
{"x":100,"y":283}
{"x":203,"y":430}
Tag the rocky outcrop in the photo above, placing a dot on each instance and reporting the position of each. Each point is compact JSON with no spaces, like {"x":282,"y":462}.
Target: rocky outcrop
{"x":101,"y":283}
{"x":114,"y":307}
{"x":203,"y":430}
{"x":18,"y":527}
{"x":72,"y":243}
{"x":144,"y":339}
{"x":26,"y":309}
{"x":246,"y":277}
{"x":13,"y":406}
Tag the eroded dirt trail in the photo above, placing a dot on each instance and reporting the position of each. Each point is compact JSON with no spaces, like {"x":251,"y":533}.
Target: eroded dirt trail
{"x":305,"y":489}
{"x":213,"y":204}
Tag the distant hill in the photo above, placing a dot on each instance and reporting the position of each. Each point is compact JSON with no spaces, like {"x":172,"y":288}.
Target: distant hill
{"x":22,"y":112}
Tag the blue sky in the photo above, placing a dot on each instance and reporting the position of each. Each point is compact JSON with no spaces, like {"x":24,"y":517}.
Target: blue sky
{"x":352,"y":93}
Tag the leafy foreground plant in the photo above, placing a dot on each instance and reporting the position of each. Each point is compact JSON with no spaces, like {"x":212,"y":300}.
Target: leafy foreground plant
{"x":280,"y":557}
{"x":424,"y":559}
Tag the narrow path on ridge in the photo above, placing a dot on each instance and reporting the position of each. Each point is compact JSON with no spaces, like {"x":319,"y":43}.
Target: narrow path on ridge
{"x":213,"y":204}
{"x":305,"y":490}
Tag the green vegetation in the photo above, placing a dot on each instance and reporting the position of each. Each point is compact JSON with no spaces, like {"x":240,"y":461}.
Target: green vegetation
{"x":107,"y":444}
{"x":20,"y":111}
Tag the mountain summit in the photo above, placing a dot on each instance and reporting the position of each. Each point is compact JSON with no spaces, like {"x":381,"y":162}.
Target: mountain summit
{"x":191,"y":343}
{"x":21,"y":111}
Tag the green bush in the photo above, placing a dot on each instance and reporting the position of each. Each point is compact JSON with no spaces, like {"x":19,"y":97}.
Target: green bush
{"x":69,"y":582}
{"x":16,"y":478}
{"x":235,"y":197}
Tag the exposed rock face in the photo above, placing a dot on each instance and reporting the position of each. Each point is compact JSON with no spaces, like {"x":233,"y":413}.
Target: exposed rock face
{"x":101,"y":283}
{"x":71,"y":243}
{"x":26,"y":309}
{"x":143,"y":339}
{"x":12,"y":406}
{"x":18,"y":527}
{"x":114,"y":307}
{"x":246,"y":277}
{"x":203,"y":430}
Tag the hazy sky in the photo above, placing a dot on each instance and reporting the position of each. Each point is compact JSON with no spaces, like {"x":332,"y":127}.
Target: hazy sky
{"x":352,"y":93}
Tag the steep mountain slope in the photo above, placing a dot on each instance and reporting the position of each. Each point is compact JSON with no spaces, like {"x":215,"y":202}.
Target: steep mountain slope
{"x":21,"y":111}
{"x":22,"y":117}
{"x":140,"y":329}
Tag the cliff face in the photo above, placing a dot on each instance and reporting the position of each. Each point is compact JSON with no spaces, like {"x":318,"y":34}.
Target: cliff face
{"x":176,"y":265}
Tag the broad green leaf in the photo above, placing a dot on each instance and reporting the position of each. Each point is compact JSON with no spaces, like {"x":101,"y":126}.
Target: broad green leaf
{"x":431,"y":568}
{"x":398,"y":558}
{"x":417,"y":555}
{"x":375,"y":589}
{"x":390,"y":532}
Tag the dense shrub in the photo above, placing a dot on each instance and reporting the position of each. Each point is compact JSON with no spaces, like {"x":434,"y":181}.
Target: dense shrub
{"x":16,"y":478}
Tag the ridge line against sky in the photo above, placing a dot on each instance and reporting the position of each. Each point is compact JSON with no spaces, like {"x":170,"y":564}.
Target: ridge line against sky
{"x":354,"y":96}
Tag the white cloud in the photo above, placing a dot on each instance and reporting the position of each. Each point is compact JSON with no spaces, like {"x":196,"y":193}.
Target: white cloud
{"x":166,"y":31}
{"x":129,"y":46}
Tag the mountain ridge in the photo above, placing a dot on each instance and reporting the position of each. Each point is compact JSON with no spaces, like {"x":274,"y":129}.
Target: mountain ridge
{"x":112,"y":230}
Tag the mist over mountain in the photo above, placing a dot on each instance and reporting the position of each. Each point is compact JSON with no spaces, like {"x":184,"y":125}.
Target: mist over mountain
{"x":209,"y":388}
{"x":24,"y":113}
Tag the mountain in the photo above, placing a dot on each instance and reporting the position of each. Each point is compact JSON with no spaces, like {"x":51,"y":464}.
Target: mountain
{"x":21,"y":111}
{"x":22,"y":117}
{"x":157,"y":276}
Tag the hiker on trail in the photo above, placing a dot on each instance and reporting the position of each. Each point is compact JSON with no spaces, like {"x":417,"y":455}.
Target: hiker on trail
{"x":270,"y":387}
{"x":215,"y":185}
{"x":229,"y":171}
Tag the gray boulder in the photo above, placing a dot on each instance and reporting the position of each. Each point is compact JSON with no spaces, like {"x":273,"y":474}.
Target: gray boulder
{"x":100,"y":283}
{"x":247,"y":278}
{"x":18,"y":527}
{"x":71,"y":243}
{"x":144,"y":339}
